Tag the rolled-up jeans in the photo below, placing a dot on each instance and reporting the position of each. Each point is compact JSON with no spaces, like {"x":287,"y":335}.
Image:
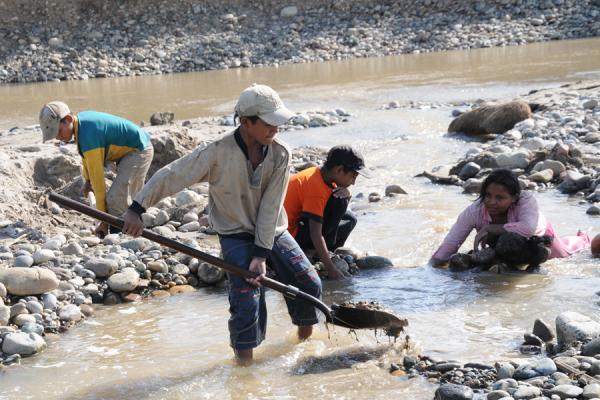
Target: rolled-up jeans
{"x":247,"y":307}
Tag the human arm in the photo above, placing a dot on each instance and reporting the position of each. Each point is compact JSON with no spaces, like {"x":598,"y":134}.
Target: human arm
{"x":466,"y":221}
{"x":528,"y":222}
{"x":270,"y":207}
{"x":170,"y":179}
{"x":316,"y":235}
{"x":93,"y":167}
{"x":259,"y":266}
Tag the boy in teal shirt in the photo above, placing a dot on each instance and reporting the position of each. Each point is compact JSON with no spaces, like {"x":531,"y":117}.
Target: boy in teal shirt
{"x":102,"y":137}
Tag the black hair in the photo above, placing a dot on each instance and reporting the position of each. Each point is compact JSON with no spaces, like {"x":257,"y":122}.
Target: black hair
{"x":504,"y":177}
{"x":253,"y":118}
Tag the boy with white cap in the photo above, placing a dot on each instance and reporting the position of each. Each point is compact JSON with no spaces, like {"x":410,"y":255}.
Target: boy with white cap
{"x":102,"y":137}
{"x":247,"y":172}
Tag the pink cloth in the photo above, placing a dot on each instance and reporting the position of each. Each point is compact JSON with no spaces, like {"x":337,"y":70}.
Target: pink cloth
{"x":524,"y":218}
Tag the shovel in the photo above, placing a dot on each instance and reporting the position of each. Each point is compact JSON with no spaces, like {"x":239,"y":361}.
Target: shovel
{"x":348,"y":316}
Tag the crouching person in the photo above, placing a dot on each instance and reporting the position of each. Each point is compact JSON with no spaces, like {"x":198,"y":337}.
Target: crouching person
{"x":510,"y":229}
{"x":247,"y":172}
{"x":102,"y":137}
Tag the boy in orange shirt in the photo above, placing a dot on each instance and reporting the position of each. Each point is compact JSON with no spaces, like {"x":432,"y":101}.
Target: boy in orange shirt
{"x":317,"y":201}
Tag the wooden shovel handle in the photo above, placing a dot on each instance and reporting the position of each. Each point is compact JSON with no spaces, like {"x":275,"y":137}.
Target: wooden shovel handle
{"x":287,"y":290}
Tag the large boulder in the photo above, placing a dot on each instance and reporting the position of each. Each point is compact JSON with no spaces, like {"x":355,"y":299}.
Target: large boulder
{"x":23,"y":343}
{"x":491,"y":119}
{"x":28,"y":281}
{"x":572,"y":327}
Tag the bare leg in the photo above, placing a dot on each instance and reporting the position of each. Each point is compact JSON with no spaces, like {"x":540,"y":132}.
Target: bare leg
{"x":243,"y":356}
{"x":304,"y":332}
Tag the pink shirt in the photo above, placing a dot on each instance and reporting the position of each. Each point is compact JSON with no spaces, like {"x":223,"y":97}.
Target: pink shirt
{"x":524,"y":218}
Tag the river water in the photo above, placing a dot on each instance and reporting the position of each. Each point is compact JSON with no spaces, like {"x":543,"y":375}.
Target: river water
{"x":177,"y":348}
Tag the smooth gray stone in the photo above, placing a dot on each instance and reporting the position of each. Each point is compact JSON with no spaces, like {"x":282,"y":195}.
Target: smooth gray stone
{"x":23,"y":343}
{"x":450,"y":391}
{"x":526,"y":392}
{"x":543,"y":330}
{"x":566,"y":391}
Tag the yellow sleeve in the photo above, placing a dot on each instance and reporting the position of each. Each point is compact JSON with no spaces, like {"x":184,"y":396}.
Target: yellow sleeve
{"x":86,"y":175}
{"x":93,"y":161}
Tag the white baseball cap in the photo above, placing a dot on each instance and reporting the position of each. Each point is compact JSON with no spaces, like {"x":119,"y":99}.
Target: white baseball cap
{"x":50,"y":116}
{"x":263,"y":102}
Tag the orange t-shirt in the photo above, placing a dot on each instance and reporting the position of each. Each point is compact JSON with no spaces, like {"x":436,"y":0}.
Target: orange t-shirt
{"x":307,"y":195}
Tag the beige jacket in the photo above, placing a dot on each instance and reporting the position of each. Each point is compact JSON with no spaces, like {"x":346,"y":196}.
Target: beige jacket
{"x":241,"y":200}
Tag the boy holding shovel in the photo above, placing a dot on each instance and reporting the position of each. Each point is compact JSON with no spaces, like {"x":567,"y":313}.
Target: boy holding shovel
{"x":247,"y":172}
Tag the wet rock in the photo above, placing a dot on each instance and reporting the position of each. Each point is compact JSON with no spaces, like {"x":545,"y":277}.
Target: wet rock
{"x":593,"y":210}
{"x":189,"y":227}
{"x":186,"y":197}
{"x":124,"y":281}
{"x":28,"y":281}
{"x":23,"y":343}
{"x":566,"y":391}
{"x":573,"y":182}
{"x":4,"y":315}
{"x":373,"y":262}
{"x":158,"y":266}
{"x":532,"y":339}
{"x":543,"y":176}
{"x":289,"y":11}
{"x":394,"y":189}
{"x":590,"y":104}
{"x":23,"y":261}
{"x":450,"y":391}
{"x":102,"y":267}
{"x":491,"y":118}
{"x":162,"y":118}
{"x":469,"y":170}
{"x":497,"y":395}
{"x":139,"y":244}
{"x":209,"y":274}
{"x":70,"y":313}
{"x":543,"y":330}
{"x":592,"y":348}
{"x":518,"y":159}
{"x":572,"y":327}
{"x":87,"y":310}
{"x":73,"y":249}
{"x":505,"y":370}
{"x":526,"y":392}
{"x":591,"y":391}
{"x":3,"y":291}
{"x":160,"y":293}
{"x":181,"y":289}
{"x":131,"y":297}
{"x":50,"y":301}
{"x":43,"y":256}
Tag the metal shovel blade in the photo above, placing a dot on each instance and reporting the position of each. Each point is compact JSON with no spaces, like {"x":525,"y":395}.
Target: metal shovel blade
{"x":361,"y":318}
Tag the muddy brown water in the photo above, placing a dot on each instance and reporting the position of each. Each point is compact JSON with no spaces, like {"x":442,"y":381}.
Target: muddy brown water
{"x":177,"y":348}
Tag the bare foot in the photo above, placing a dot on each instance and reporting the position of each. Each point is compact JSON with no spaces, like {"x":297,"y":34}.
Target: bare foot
{"x":304,"y":332}
{"x":243,"y":357}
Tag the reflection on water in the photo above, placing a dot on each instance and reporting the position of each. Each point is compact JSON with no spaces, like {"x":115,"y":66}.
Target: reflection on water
{"x":178,"y":348}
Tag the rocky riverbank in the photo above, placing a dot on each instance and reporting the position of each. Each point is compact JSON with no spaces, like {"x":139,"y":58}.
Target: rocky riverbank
{"x":555,"y":147}
{"x":75,"y":40}
{"x":565,"y":368}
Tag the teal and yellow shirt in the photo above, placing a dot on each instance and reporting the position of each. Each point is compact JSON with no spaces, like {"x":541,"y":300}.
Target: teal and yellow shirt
{"x":104,"y":137}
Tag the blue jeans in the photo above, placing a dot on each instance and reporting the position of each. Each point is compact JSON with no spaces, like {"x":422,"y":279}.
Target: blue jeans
{"x":247,"y":307}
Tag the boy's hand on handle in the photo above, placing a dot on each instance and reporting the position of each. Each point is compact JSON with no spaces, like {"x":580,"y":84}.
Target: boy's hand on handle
{"x":259,"y":266}
{"x":132,"y":224}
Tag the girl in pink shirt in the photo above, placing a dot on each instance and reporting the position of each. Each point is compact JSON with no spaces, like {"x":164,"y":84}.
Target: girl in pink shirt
{"x":502,"y":208}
